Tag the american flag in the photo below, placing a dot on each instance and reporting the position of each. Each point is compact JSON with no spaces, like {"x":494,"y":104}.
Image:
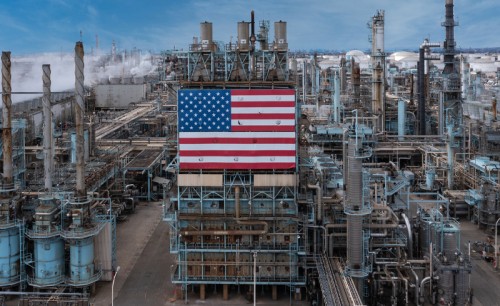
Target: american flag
{"x":237,"y":129}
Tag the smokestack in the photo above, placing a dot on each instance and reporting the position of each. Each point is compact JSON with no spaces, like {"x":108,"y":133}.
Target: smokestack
{"x":252,"y":28}
{"x":7,"y":118}
{"x":48,"y":160}
{"x":79,"y":113}
{"x":421,"y":91}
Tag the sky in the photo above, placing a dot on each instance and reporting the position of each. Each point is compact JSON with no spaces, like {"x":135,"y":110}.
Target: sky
{"x":38,"y":26}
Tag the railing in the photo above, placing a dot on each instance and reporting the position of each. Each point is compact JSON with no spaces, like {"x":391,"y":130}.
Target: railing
{"x":219,"y":279}
{"x":45,"y":281}
{"x":50,"y":232}
{"x":9,"y":281}
{"x":78,"y":283}
{"x":242,"y":247}
{"x":81,"y":233}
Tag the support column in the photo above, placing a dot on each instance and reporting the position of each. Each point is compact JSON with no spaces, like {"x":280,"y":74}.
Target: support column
{"x":275,"y":292}
{"x":225,"y":292}
{"x":202,"y":292}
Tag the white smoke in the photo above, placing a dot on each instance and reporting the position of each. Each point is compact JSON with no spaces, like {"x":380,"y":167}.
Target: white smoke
{"x":27,"y":71}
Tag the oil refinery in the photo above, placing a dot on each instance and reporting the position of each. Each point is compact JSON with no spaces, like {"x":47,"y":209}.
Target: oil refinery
{"x":279,"y":177}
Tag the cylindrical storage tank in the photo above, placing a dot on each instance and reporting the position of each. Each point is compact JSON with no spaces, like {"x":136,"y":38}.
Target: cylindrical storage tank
{"x":81,"y":260}
{"x":280,"y":36}
{"x":49,"y":261}
{"x":206,"y":35}
{"x":243,"y":36}
{"x":9,"y":256}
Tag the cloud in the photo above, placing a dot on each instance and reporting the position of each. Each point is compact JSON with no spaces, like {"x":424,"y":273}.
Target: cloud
{"x":7,"y":21}
{"x":92,"y":11}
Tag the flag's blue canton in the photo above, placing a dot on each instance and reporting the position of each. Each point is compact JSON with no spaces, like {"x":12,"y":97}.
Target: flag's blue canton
{"x":204,"y":110}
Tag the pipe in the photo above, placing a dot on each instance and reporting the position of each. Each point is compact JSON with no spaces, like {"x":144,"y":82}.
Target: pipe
{"x":345,"y":160}
{"x":7,"y":118}
{"x":79,"y":119}
{"x":422,"y":283}
{"x":319,"y":199}
{"x":48,"y":161}
{"x":406,"y":284}
{"x":410,"y":236}
{"x":391,"y":279}
{"x":417,"y":287}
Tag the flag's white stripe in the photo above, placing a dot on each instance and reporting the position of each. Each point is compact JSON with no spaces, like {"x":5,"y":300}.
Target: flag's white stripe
{"x":237,"y":159}
{"x":236,"y":147}
{"x":263,"y":110}
{"x":273,"y":122}
{"x":251,"y":135}
{"x":264,"y":98}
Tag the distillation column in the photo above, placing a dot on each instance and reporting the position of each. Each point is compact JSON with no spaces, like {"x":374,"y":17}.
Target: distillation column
{"x":452,"y":106}
{"x":357,"y":208}
{"x":451,"y":110}
{"x":378,"y":69}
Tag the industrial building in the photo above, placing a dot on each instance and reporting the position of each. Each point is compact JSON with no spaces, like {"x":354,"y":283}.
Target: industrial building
{"x":326,"y":179}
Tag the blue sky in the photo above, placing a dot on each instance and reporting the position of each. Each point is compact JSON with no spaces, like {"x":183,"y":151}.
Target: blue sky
{"x":34,"y":26}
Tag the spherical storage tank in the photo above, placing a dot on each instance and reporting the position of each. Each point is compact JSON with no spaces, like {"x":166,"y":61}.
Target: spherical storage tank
{"x":82,"y":261}
{"x":9,"y":256}
{"x":49,"y":261}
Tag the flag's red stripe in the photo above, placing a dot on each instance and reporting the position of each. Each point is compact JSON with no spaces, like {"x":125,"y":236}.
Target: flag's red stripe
{"x":262,"y":104}
{"x":263,"y":116}
{"x":235,"y":140}
{"x":263,"y":128}
{"x":235,"y":165}
{"x":236,"y":153}
{"x":263,"y":92}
